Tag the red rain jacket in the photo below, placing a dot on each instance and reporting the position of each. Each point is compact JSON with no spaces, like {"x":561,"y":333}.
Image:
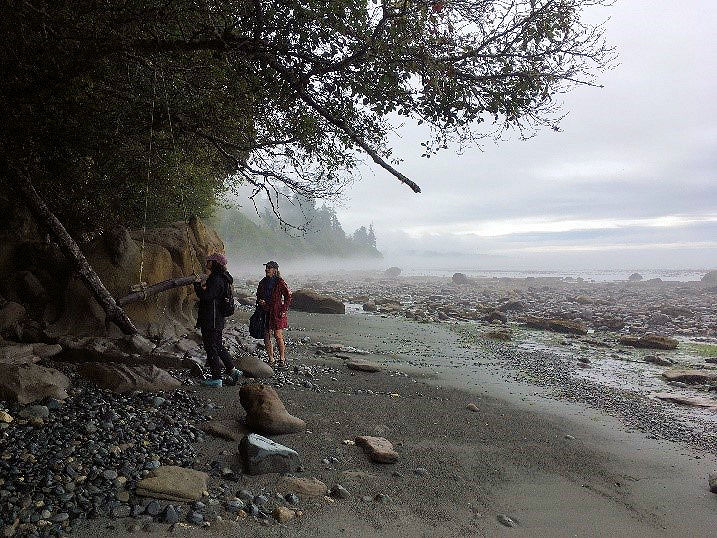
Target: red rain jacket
{"x":279,"y":303}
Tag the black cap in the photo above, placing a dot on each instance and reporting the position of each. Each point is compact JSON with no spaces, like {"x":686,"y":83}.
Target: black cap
{"x":272,"y":264}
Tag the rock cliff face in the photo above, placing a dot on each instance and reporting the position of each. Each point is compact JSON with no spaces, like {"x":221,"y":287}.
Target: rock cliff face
{"x":57,"y":302}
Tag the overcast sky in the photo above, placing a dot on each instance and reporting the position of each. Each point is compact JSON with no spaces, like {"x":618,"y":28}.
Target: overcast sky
{"x":630,"y":182}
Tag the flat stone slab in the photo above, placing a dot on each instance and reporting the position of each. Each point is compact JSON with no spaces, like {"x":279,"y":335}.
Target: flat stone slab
{"x":29,"y":382}
{"x":45,"y":351}
{"x":660,"y":361}
{"x":185,"y":344}
{"x":17,"y":354}
{"x":690,"y":375}
{"x":174,"y":483}
{"x":363,"y":366}
{"x":649,"y":341}
{"x":309,"y":487}
{"x":224,"y":429}
{"x":120,"y":378}
{"x":566,"y":326}
{"x":11,"y":314}
{"x":378,"y":449}
{"x":358,"y":475}
{"x":260,"y":455}
{"x":692,"y":401}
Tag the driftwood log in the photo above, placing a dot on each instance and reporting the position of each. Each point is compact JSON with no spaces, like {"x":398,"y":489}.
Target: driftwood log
{"x":72,"y":251}
{"x":154,"y":289}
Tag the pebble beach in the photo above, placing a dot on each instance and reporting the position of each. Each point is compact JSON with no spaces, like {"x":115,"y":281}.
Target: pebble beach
{"x":493,"y":435}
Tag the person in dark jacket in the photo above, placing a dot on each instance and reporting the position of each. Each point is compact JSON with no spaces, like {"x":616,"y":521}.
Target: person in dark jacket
{"x":274,"y":297}
{"x":211,"y":322}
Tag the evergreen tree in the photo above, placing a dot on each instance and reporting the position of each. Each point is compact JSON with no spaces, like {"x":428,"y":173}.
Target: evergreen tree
{"x":371,"y":236}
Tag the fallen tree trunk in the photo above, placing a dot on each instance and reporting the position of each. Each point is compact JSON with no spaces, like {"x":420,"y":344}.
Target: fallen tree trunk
{"x":72,"y":251}
{"x":155,"y":289}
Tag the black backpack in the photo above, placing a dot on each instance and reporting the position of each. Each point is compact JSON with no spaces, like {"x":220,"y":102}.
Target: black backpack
{"x":258,"y":323}
{"x":226,"y":303}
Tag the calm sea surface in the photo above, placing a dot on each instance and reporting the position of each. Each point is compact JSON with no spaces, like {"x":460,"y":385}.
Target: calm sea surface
{"x":682,"y":275}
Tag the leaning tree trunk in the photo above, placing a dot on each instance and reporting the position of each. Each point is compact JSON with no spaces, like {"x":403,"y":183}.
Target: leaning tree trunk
{"x":70,"y":249}
{"x":155,"y":289}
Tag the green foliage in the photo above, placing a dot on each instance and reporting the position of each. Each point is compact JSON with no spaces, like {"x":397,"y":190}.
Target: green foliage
{"x":703,"y":350}
{"x":323,"y":237}
{"x":104,"y":102}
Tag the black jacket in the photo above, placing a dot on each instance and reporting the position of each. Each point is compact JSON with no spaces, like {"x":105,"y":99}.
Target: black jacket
{"x":215,"y":288}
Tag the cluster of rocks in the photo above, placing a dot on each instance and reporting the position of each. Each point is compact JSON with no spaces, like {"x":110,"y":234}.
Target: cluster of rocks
{"x":63,"y":460}
{"x":575,"y":306}
{"x":636,"y":410}
{"x":115,"y":440}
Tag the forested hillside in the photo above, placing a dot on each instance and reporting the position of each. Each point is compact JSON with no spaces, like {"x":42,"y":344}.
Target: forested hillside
{"x":318,"y":233}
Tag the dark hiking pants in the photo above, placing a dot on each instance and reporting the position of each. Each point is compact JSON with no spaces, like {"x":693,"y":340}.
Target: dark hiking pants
{"x":218,"y":357}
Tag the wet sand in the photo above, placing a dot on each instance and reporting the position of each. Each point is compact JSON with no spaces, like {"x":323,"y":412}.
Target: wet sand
{"x":608,"y":481}
{"x":556,"y":468}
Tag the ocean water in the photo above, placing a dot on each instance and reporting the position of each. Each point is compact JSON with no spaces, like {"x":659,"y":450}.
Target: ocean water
{"x":606,"y":275}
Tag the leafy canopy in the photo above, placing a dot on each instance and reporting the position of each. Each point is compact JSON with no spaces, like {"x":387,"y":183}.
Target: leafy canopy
{"x":108,"y":105}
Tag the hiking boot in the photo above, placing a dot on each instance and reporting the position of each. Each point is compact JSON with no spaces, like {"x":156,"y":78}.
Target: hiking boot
{"x":235,"y":374}
{"x":216,"y":383}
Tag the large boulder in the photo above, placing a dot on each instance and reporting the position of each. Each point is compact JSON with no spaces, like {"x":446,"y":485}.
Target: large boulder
{"x":11,"y":314}
{"x":174,"y":484}
{"x":369,"y":306}
{"x":677,"y":311}
{"x":17,"y":354}
{"x":649,"y":341}
{"x":120,"y":378}
{"x":254,"y":367}
{"x":690,"y":375}
{"x":172,"y":251}
{"x":260,"y":455}
{"x":392,"y":272}
{"x":265,"y":412}
{"x":691,"y":401}
{"x":496,"y":316}
{"x":29,"y":382}
{"x":307,"y":300}
{"x":635,"y":277}
{"x":511,"y":305}
{"x":565,"y":326}
{"x":460,"y":278}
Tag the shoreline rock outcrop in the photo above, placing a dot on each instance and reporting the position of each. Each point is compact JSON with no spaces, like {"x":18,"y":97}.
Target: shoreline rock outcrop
{"x":28,"y":383}
{"x":308,"y":300}
{"x":43,"y":299}
{"x":649,"y":341}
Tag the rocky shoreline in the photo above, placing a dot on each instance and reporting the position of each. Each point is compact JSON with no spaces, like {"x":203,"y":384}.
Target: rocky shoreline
{"x":670,"y":307}
{"x":90,"y":461}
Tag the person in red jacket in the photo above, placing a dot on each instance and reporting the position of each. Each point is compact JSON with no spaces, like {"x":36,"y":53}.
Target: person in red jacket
{"x":274,"y":297}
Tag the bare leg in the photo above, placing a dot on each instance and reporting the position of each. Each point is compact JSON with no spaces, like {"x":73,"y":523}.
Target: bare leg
{"x":280,"y":343}
{"x":269,"y":347}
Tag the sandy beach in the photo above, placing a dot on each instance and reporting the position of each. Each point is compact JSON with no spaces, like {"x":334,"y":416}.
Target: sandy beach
{"x":523,"y":464}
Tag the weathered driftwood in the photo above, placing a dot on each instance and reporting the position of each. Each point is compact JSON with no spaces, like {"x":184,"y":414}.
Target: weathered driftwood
{"x":72,"y":251}
{"x":154,"y":289}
